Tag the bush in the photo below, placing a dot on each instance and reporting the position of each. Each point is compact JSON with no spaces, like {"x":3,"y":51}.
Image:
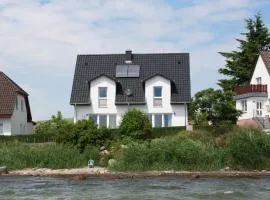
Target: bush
{"x":136,"y":124}
{"x":250,"y":149}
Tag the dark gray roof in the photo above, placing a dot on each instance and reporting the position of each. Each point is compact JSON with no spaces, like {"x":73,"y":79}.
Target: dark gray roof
{"x":174,"y":66}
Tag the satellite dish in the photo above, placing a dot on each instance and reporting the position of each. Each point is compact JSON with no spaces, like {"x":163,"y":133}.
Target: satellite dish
{"x":128,"y":92}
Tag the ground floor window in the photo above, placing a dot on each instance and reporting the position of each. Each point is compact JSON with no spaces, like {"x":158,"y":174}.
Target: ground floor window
{"x":1,"y":127}
{"x":104,"y":120}
{"x":244,"y":105}
{"x":160,"y":120}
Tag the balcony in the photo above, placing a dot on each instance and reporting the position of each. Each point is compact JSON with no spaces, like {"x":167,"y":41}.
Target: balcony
{"x":246,"y":91}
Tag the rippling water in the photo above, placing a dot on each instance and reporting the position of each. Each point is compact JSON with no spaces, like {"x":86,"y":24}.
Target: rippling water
{"x":32,"y":188}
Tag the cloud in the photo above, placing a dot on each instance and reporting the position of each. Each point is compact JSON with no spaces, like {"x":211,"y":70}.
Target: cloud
{"x":40,"y":39}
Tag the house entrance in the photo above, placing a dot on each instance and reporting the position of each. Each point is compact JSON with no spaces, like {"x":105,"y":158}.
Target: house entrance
{"x":259,"y":106}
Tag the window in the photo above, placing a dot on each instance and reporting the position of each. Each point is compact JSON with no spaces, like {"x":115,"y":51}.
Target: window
{"x":157,"y":101}
{"x":158,"y":120}
{"x":1,"y":127}
{"x":259,"y":108}
{"x":93,"y":118}
{"x":167,"y":120}
{"x":16,"y":105}
{"x":102,"y":120}
{"x":259,"y":80}
{"x":244,"y":105}
{"x":102,"y":97}
{"x":22,"y":105}
{"x":112,"y":121}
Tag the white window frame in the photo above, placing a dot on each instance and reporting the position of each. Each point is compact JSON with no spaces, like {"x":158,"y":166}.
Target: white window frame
{"x":259,"y":80}
{"x":157,"y":100}
{"x":102,"y":101}
{"x":244,"y":105}
{"x":259,"y":108}
{"x":22,"y":105}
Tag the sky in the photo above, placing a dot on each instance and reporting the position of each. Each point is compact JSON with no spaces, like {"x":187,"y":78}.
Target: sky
{"x":40,"y":39}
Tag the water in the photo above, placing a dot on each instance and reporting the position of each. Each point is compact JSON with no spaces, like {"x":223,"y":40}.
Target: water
{"x":32,"y":188}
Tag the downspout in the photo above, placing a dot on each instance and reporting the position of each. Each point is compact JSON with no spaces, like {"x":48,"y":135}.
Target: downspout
{"x":185,"y":114}
{"x":75,"y":113}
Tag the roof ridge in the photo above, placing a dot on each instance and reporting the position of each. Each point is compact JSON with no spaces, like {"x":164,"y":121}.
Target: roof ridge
{"x":118,"y":54}
{"x":18,"y":88}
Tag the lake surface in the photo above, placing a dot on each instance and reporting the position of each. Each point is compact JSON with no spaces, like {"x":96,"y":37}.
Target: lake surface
{"x":32,"y":188}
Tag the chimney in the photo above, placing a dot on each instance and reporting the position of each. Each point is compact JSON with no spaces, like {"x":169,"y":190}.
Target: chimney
{"x":128,"y":56}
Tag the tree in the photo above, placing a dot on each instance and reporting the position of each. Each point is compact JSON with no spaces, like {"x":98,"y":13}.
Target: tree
{"x":136,"y":124}
{"x":216,"y":105}
{"x":240,"y":64}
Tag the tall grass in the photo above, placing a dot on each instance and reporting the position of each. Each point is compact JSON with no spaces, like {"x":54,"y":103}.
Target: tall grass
{"x":242,"y":149}
{"x":160,"y":154}
{"x":17,"y":155}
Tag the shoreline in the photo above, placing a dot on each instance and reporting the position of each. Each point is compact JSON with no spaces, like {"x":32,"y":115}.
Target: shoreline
{"x":83,"y":173}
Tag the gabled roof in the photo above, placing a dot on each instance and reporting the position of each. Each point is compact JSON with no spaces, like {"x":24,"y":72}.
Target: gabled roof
{"x":173,"y":66}
{"x":266,"y":59}
{"x":9,"y":91}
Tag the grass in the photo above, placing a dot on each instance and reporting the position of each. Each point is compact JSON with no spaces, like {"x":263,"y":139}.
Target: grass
{"x":243,"y":149}
{"x":18,"y":155}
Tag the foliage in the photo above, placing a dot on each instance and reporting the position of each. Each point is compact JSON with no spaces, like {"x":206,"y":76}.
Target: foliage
{"x":17,"y":155}
{"x":136,"y":124}
{"x":166,"y":131}
{"x":168,"y":153}
{"x":240,"y":64}
{"x":215,"y":106}
{"x":34,"y":138}
{"x":250,"y":149}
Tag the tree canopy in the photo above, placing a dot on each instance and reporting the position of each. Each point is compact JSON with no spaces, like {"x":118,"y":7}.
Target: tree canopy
{"x":240,"y":64}
{"x":215,"y":105}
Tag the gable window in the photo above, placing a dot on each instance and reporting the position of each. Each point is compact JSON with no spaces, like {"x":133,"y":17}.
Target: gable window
{"x":1,"y":127}
{"x":157,"y":101}
{"x":244,"y":105}
{"x":102,"y":97}
{"x":259,"y":80}
{"x":22,"y":105}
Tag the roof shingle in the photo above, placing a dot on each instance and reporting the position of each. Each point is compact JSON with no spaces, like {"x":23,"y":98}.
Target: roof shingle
{"x":174,"y":66}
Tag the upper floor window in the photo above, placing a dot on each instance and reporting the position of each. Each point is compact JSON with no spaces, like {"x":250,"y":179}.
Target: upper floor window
{"x":102,"y":97}
{"x":157,"y":101}
{"x":22,"y":105}
{"x":259,"y":80}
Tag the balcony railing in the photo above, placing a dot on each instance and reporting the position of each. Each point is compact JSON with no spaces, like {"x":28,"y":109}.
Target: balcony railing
{"x":250,"y":89}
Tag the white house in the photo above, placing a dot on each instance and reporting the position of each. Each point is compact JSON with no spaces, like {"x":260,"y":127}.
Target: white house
{"x":253,"y":99}
{"x":106,"y":86}
{"x":15,"y":114}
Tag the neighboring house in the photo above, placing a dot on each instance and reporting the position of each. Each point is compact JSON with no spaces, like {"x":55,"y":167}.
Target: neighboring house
{"x":254,"y":99}
{"x":106,"y":86}
{"x":15,"y":114}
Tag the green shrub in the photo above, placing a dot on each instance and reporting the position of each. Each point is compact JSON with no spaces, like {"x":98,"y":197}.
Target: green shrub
{"x":250,"y":149}
{"x":136,"y":124}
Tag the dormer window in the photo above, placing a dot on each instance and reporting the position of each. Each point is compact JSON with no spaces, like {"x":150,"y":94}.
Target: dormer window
{"x":259,"y":80}
{"x":102,"y":97}
{"x":157,"y":101}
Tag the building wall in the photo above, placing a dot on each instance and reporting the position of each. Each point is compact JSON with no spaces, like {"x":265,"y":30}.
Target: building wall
{"x":178,"y":112}
{"x":6,"y":126}
{"x":19,"y":118}
{"x":259,"y":71}
{"x":251,"y":107}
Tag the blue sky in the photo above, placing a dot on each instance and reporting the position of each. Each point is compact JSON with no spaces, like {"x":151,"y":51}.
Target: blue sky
{"x":40,"y":39}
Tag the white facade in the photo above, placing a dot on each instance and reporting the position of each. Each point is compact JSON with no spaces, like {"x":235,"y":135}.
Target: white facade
{"x":162,"y":115}
{"x":17,"y":124}
{"x":256,"y":106}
